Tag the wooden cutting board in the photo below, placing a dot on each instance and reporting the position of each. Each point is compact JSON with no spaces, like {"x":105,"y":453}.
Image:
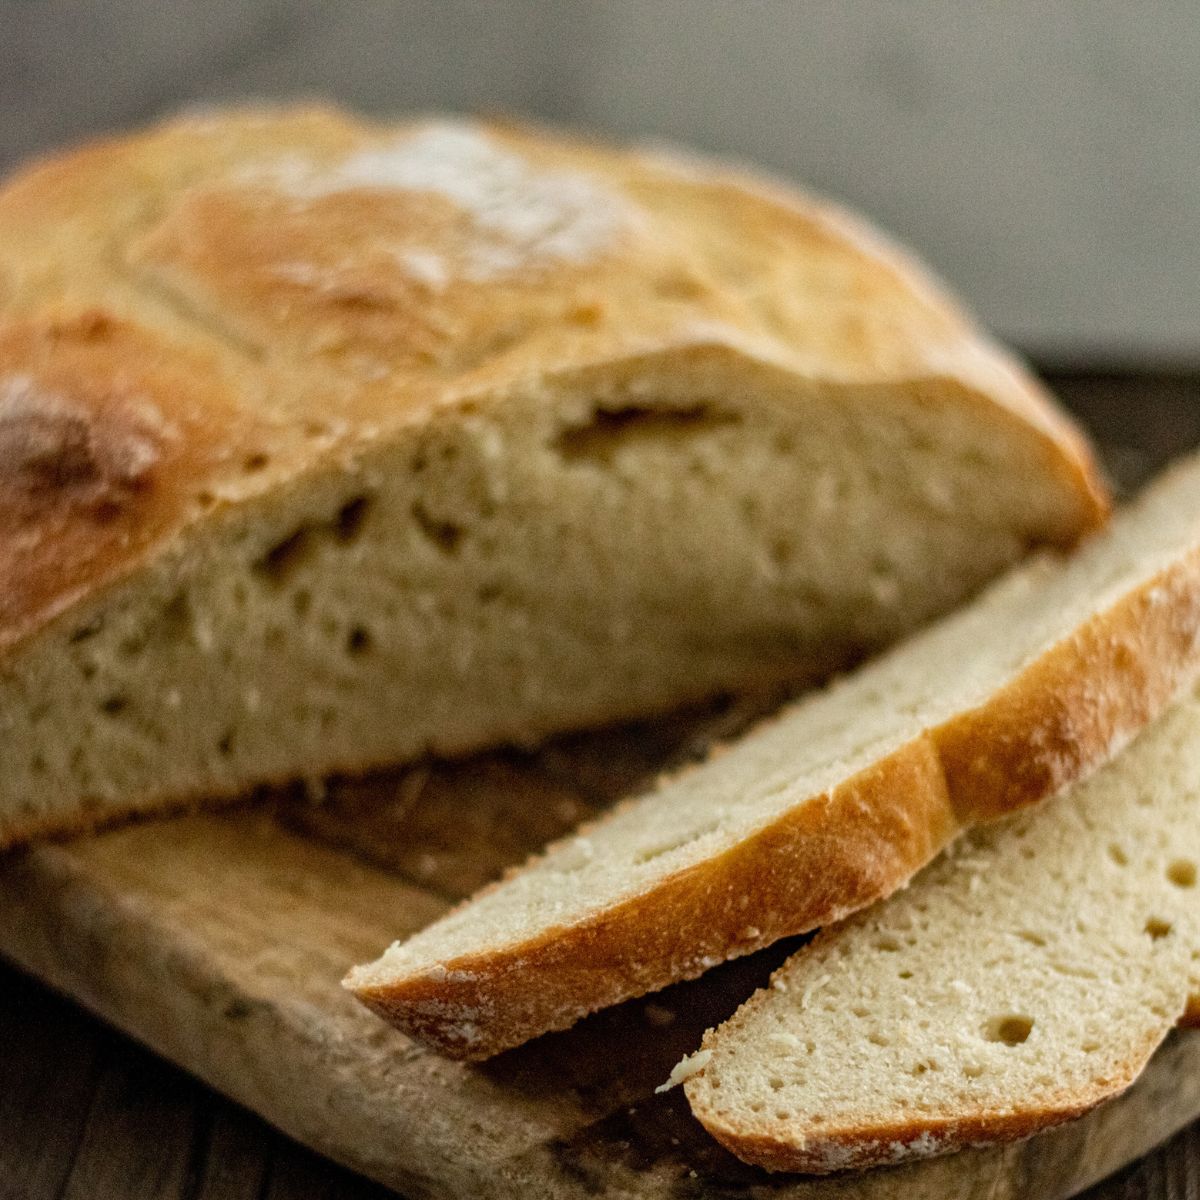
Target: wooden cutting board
{"x":220,"y":939}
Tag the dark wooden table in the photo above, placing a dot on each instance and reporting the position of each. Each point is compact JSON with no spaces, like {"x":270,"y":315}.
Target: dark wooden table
{"x":86,"y":1114}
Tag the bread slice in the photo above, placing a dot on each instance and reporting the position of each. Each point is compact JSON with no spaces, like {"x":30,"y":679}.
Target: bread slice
{"x":830,"y":806}
{"x":326,"y":444}
{"x":1024,"y":978}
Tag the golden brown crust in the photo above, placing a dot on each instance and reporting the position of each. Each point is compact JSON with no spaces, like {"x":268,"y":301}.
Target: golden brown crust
{"x":179,"y":304}
{"x":858,"y":1150}
{"x":1064,"y":714}
{"x":1078,"y":704}
{"x":108,"y":441}
{"x":837,"y":853}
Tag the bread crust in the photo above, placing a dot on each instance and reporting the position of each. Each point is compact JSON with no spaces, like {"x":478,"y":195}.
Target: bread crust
{"x":884,"y":1140}
{"x":1064,"y":714}
{"x":828,"y":857}
{"x":175,"y":307}
{"x":921,"y":1137}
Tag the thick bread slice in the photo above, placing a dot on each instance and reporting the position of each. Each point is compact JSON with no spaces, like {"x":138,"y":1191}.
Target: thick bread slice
{"x":833,"y":804}
{"x":1025,"y":977}
{"x":326,"y":444}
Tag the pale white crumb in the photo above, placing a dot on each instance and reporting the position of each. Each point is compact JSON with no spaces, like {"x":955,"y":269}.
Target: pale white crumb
{"x":685,"y":1069}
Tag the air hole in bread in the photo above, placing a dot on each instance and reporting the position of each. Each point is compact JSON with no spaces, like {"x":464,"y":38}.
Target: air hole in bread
{"x":652,"y":852}
{"x":888,"y":944}
{"x":351,"y":518}
{"x":1034,"y":939}
{"x":255,"y":462}
{"x":286,"y":556}
{"x":358,"y":641}
{"x":609,"y":430}
{"x":1071,"y":970}
{"x":225,"y":744}
{"x":775,"y":1083}
{"x":84,"y":632}
{"x":1118,"y":855}
{"x":1157,"y":928}
{"x":113,"y":706}
{"x":904,"y":974}
{"x":1182,"y":873}
{"x":782,"y":551}
{"x":1012,"y":1029}
{"x":447,"y":536}
{"x":283,"y":559}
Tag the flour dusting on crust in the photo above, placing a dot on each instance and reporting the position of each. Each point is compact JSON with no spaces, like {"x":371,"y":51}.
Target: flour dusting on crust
{"x":48,"y":444}
{"x":521,"y":218}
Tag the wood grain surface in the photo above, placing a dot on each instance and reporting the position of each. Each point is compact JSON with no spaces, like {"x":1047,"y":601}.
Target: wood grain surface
{"x":219,"y":939}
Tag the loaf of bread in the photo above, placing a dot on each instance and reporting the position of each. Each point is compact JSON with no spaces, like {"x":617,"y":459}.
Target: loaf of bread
{"x":1025,"y":977}
{"x":326,"y":444}
{"x":831,"y":805}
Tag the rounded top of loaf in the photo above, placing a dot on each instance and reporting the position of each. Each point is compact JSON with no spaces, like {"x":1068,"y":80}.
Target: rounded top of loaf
{"x":200,"y":312}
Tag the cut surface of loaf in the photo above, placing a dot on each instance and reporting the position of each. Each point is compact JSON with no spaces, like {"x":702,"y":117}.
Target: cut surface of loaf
{"x":831,"y":805}
{"x":1022,"y":979}
{"x":325,"y":444}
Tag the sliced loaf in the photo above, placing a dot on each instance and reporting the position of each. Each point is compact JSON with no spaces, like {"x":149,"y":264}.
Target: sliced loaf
{"x":1025,"y":977}
{"x":325,"y":444}
{"x":833,"y":804}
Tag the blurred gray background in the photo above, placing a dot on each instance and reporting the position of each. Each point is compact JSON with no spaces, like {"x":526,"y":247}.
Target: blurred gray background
{"x":1045,"y":156}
